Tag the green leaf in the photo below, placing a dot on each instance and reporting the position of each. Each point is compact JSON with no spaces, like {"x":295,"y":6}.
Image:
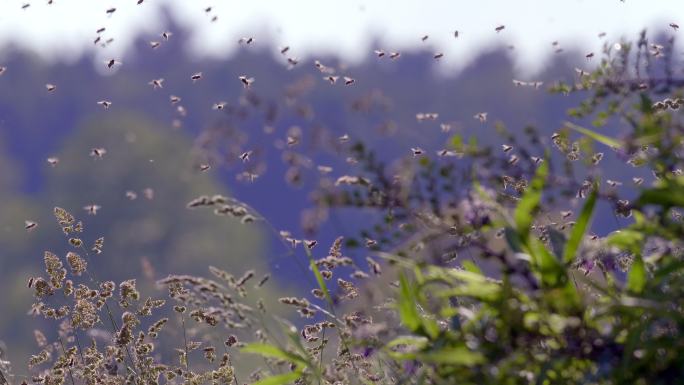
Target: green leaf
{"x":529,"y":202}
{"x":580,"y":227}
{"x":280,"y":379}
{"x":595,"y":135}
{"x":668,"y":194}
{"x":407,"y":305}
{"x":268,"y":350}
{"x":457,"y":355}
{"x":636,"y":278}
{"x":627,"y":239}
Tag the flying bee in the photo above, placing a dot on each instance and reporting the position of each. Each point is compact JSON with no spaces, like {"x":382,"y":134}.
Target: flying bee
{"x":156,"y":83}
{"x":499,"y":28}
{"x":30,"y":225}
{"x":506,"y":148}
{"x":92,"y":209}
{"x":613,"y":183}
{"x":565,"y":214}
{"x":50,"y":87}
{"x":155,"y":44}
{"x":589,"y":55}
{"x":112,"y":62}
{"x":100,"y":30}
{"x":219,"y":105}
{"x":204,"y":167}
{"x":310,"y":244}
{"x":166,"y":35}
{"x":536,"y":159}
{"x":105,"y":104}
{"x":438,"y":55}
{"x":513,"y":160}
{"x":394,"y":55}
{"x":174,"y":99}
{"x":379,"y":53}
{"x":110,"y":11}
{"x":246,"y":40}
{"x":456,"y":34}
{"x":481,"y":116}
{"x":284,"y":49}
{"x":348,"y":81}
{"x":596,"y":158}
{"x":324,"y":169}
{"x":196,"y":76}
{"x":246,"y":82}
{"x":417,"y":151}
{"x":52,"y":161}
{"x":674,"y":26}
{"x":638,"y":181}
{"x":245,"y":156}
{"x":98,"y":152}
{"x":131,"y":195}
{"x":2,"y":70}
{"x":344,"y":138}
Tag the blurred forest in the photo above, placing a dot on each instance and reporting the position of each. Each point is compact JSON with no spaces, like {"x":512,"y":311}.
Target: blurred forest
{"x":155,"y":151}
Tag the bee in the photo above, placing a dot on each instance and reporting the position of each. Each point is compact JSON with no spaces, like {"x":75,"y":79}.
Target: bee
{"x":613,"y":183}
{"x":207,"y":9}
{"x":196,"y":76}
{"x":246,"y":40}
{"x":424,"y":38}
{"x":417,"y":151}
{"x":110,"y":11}
{"x":481,"y":116}
{"x":589,"y":55}
{"x":204,"y":167}
{"x":394,"y":55}
{"x":245,"y":156}
{"x":97,"y":40}
{"x":131,"y":195}
{"x":52,"y":161}
{"x":174,"y":99}
{"x":674,"y":26}
{"x":284,"y":50}
{"x":154,"y":44}
{"x":565,"y":214}
{"x":344,"y":138}
{"x":513,"y":160}
{"x":112,"y":62}
{"x":92,"y":209}
{"x":438,"y":56}
{"x":499,"y":28}
{"x":166,"y":35}
{"x":348,"y":81}
{"x":100,"y":30}
{"x":379,"y":53}
{"x":50,"y":87}
{"x":156,"y":83}
{"x":601,"y":35}
{"x":105,"y":104}
{"x":246,"y":82}
{"x":30,"y":225}
{"x":638,"y":181}
{"x":219,"y":105}
{"x":2,"y":70}
{"x":213,"y":19}
{"x":292,"y":62}
{"x":98,"y":152}
{"x":445,"y":127}
{"x":446,"y":152}
{"x":506,"y":148}
{"x":536,"y":159}
{"x":310,"y":244}
{"x":456,"y":34}
{"x":25,"y":5}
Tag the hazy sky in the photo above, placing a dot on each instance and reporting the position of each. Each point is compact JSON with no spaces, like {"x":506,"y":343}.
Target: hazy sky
{"x":65,"y":29}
